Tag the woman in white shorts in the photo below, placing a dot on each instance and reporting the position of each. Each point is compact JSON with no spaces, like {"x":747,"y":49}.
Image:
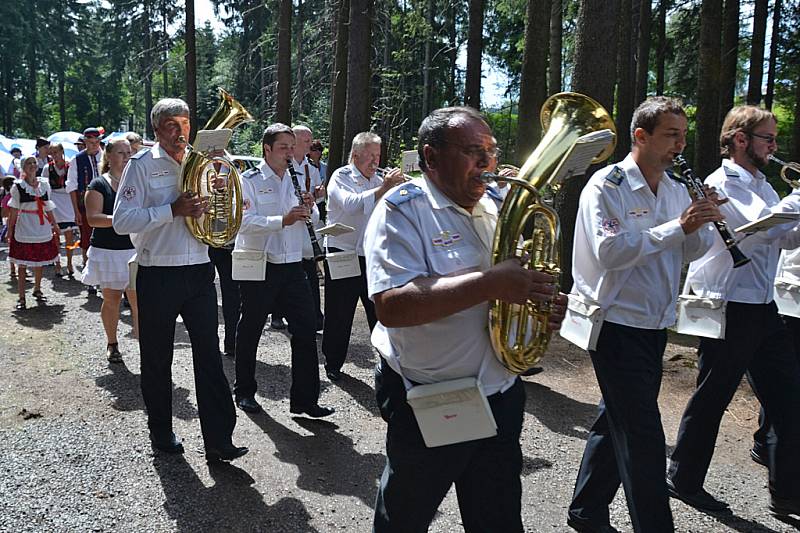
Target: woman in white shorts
{"x":109,"y":252}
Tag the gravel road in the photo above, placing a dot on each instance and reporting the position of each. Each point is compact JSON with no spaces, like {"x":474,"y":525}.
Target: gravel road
{"x":76,"y":457}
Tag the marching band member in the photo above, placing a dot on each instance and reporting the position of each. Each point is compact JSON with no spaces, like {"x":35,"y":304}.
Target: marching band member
{"x":352,"y":194}
{"x":635,"y":227}
{"x":175,"y":277}
{"x":756,"y":340}
{"x":274,"y":223}
{"x":428,"y":247}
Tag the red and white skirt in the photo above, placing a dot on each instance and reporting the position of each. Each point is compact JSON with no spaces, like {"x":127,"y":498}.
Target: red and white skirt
{"x":33,"y":254}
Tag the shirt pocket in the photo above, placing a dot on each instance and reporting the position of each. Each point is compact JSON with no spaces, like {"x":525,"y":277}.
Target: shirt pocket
{"x":455,"y":260}
{"x":165,"y":188}
{"x":267,"y":203}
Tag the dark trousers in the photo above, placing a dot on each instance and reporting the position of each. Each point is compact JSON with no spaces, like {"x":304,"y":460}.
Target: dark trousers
{"x":757,"y":343}
{"x":188,"y":291}
{"x":416,"y":479}
{"x":231,"y":301}
{"x":285,"y":288}
{"x":341,"y":297}
{"x":626,"y":443}
{"x":310,"y":268}
{"x":765,"y":436}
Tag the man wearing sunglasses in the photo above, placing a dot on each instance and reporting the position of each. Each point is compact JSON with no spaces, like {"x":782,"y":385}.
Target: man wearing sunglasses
{"x":756,"y":341}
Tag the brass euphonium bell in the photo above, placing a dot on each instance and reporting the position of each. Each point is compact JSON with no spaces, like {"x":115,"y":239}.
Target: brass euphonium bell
{"x":216,"y":178}
{"x":529,"y":230}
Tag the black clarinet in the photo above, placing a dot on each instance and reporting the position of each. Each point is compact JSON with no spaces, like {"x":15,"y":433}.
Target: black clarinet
{"x":319,"y":255}
{"x":695,"y":187}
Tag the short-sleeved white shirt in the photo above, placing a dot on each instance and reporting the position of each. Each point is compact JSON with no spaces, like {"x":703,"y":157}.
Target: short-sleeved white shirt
{"x":430,"y":236}
{"x":351,"y":199}
{"x":29,"y":228}
{"x":72,"y":172}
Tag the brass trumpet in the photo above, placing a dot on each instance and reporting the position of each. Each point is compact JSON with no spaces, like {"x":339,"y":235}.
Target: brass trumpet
{"x":382,"y":171}
{"x":789,"y":169}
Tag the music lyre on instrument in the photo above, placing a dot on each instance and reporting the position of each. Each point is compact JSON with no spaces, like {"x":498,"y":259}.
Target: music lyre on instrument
{"x":319,"y":255}
{"x":695,"y":187}
{"x":787,"y":168}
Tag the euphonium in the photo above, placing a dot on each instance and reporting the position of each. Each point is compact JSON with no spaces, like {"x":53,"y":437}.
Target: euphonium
{"x":790,"y":172}
{"x":529,"y":230}
{"x":200,"y":175}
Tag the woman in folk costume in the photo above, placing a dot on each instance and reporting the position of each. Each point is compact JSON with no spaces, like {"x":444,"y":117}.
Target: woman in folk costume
{"x":109,"y":252}
{"x":32,"y":228}
{"x":56,"y":173}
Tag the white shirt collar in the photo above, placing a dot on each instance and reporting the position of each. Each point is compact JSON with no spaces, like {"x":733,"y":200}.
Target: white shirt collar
{"x":440,"y":201}
{"x":742,"y":173}
{"x":159,"y":153}
{"x":267,"y":171}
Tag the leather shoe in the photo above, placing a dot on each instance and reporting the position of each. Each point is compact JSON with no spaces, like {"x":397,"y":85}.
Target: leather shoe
{"x":784,"y":506}
{"x":226,"y":453}
{"x":167,"y":444}
{"x":701,"y":499}
{"x":758,"y":456}
{"x":586,"y":528}
{"x":314,"y":411}
{"x":334,"y":375}
{"x":277,"y":324}
{"x":532,"y":371}
{"x":248,"y":405}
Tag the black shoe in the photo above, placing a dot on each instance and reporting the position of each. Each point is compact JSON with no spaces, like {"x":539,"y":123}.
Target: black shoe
{"x":168,"y":444}
{"x":784,"y":506}
{"x":701,"y":499}
{"x":334,"y":375}
{"x":227,"y":453}
{"x":532,"y":371}
{"x":92,"y":291}
{"x":277,"y":324}
{"x":229,"y":353}
{"x":248,"y":405}
{"x":758,"y":455}
{"x":586,"y":528}
{"x":315,"y":411}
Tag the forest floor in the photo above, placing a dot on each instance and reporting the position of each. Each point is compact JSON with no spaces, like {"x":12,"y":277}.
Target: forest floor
{"x":76,"y":457}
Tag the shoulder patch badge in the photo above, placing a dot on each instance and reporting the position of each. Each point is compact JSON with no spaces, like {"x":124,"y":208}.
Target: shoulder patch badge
{"x":404,"y":193}
{"x":615,"y":177}
{"x":140,"y":153}
{"x":250,"y":173}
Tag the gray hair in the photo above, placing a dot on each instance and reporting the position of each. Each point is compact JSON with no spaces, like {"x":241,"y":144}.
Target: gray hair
{"x":300,"y":128}
{"x":133,"y":137}
{"x":361,"y":140}
{"x":167,"y":107}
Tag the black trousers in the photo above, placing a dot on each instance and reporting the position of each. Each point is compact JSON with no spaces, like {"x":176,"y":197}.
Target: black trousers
{"x":285,"y":287}
{"x":416,"y":479}
{"x":626,"y":443}
{"x":231,"y":301}
{"x":757,"y":343}
{"x":310,"y":268}
{"x":341,"y":297}
{"x":163,"y":294}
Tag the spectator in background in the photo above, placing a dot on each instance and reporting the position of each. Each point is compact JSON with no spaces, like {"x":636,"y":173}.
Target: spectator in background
{"x":56,"y":174}
{"x":42,"y":154}
{"x":135,"y":141}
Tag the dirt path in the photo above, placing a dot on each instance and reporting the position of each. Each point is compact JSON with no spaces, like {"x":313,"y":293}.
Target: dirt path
{"x":76,"y":457}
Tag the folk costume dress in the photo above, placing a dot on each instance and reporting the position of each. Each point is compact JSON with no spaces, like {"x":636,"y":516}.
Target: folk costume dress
{"x":109,"y":252}
{"x":33,"y":243}
{"x":57,"y":176}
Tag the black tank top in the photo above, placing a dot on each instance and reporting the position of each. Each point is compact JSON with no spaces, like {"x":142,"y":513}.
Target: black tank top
{"x":107,"y":238}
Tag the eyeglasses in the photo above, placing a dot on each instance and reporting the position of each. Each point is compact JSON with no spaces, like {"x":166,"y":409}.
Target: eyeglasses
{"x":769,"y":139}
{"x":477,"y":152}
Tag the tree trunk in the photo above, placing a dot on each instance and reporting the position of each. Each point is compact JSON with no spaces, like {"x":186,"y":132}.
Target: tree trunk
{"x":165,"y":55}
{"x":626,"y":66}
{"x":299,"y":58}
{"x":147,"y":69}
{"x":427,"y":83}
{"x":595,"y":57}
{"x":339,"y":88}
{"x":773,"y":54}
{"x":283,"y":107}
{"x":359,"y":73}
{"x":556,"y":32}
{"x":533,"y":80}
{"x":757,"y":52}
{"x":706,"y":156}
{"x":472,"y":87}
{"x":8,"y":85}
{"x":452,"y":53}
{"x":62,"y":103}
{"x":730,"y":57}
{"x":35,"y":125}
{"x":643,"y":51}
{"x":191,"y":67}
{"x":661,"y":53}
{"x":796,"y":128}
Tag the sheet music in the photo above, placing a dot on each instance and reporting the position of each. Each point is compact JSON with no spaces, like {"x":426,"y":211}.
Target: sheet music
{"x":580,"y":156}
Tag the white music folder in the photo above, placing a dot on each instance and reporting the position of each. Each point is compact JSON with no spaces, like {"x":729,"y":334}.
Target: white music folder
{"x":768,"y":221}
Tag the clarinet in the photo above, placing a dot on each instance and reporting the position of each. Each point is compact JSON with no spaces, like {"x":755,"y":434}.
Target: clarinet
{"x":319,"y":255}
{"x":696,"y":191}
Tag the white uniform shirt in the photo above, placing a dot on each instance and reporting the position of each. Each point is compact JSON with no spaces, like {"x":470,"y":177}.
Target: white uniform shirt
{"x":430,"y":236}
{"x":28,"y":227}
{"x":750,"y":197}
{"x":149,"y":185}
{"x":351,"y":199}
{"x":267,"y":198}
{"x":72,"y":173}
{"x":629,"y":245}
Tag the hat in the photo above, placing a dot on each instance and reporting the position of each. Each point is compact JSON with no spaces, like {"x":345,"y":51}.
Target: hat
{"x":16,"y":147}
{"x":91,"y":132}
{"x":41,"y":142}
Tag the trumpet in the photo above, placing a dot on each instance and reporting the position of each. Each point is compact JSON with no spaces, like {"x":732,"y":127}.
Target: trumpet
{"x":790,"y":173}
{"x":382,"y":171}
